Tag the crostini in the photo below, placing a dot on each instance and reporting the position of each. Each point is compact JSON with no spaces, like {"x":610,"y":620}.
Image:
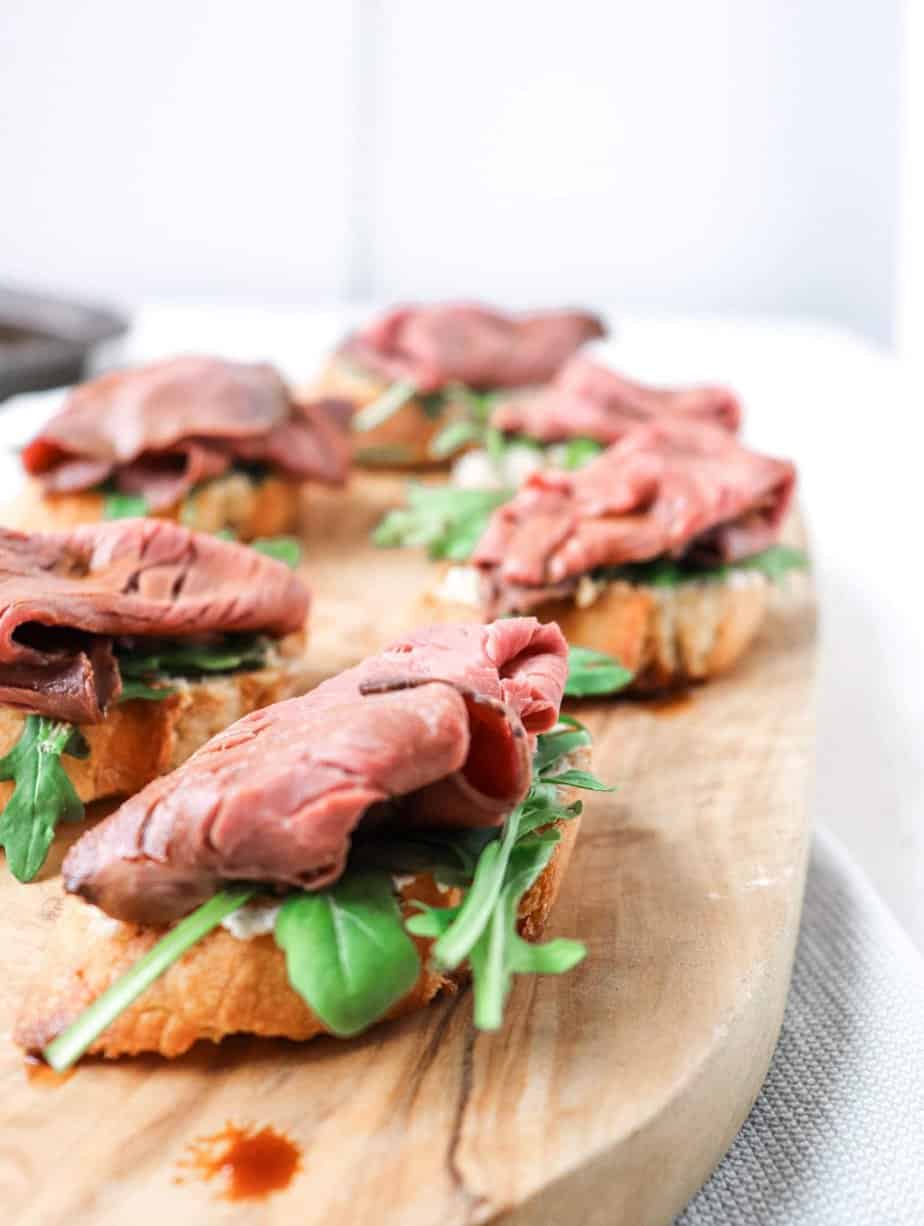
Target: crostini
{"x":215,"y":445}
{"x":660,"y":552}
{"x":413,"y":371}
{"x":123,"y":648}
{"x":331,"y":861}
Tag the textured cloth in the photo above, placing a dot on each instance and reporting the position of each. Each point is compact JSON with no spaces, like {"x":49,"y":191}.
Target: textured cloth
{"x":836,"y":1137}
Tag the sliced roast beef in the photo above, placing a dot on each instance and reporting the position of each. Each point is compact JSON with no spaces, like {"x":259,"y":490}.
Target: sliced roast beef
{"x":467,"y":343}
{"x":65,"y":596}
{"x":158,"y":430}
{"x":587,"y":400}
{"x":435,"y":731}
{"x":678,"y":489}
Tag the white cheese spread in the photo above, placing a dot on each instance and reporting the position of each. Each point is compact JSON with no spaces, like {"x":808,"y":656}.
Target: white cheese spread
{"x":461,"y":585}
{"x":254,"y":919}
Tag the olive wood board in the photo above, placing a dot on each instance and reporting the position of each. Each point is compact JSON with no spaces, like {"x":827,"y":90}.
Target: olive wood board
{"x":611,"y":1092}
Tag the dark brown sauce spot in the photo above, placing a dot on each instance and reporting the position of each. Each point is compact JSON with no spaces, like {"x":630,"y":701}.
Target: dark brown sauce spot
{"x":669,"y":704}
{"x":254,"y":1162}
{"x":43,"y":1076}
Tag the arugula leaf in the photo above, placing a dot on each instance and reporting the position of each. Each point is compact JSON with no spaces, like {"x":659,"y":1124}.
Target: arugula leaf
{"x":495,"y":444}
{"x":347,"y":952}
{"x":478,"y":405}
{"x":123,"y":506}
{"x":556,"y":744}
{"x":43,"y":794}
{"x":447,"y":519}
{"x":578,"y":779}
{"x":775,"y":562}
{"x":173,"y":657}
{"x":534,"y":817}
{"x":256,"y":470}
{"x":473,"y":427}
{"x":453,"y":437}
{"x":433,"y":404}
{"x":431,"y":921}
{"x":132,"y":689}
{"x":72,"y":1042}
{"x":450,"y":855}
{"x":283,"y":548}
{"x":385,"y":406}
{"x":578,"y":452}
{"x":593,"y":672}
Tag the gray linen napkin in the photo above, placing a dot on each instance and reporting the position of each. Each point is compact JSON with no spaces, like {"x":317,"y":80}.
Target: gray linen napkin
{"x":836,"y":1137}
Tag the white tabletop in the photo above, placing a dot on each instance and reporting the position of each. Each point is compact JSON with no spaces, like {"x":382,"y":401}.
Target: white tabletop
{"x":847,"y":414}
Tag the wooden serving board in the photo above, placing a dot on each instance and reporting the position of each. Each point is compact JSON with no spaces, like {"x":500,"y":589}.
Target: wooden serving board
{"x":611,"y":1092}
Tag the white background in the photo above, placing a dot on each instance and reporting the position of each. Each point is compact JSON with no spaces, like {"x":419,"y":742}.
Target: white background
{"x":723,"y":155}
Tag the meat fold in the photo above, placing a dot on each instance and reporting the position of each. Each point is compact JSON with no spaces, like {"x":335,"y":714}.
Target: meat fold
{"x":436,"y":731}
{"x":158,"y":430}
{"x":468,"y":343}
{"x":679,"y":490}
{"x":587,"y":400}
{"x":65,"y":596}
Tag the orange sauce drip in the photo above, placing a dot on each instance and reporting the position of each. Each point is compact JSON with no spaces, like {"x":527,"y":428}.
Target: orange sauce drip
{"x":669,"y":704}
{"x":42,"y":1075}
{"x":255,"y":1162}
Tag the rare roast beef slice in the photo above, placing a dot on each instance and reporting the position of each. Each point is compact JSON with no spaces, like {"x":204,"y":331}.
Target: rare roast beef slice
{"x":438,"y":730}
{"x":157,"y":430}
{"x":65,"y":596}
{"x":587,"y":400}
{"x":471,"y":344}
{"x":681,"y":490}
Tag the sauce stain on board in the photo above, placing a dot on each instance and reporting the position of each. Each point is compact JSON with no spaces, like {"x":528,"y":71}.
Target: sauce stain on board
{"x":668,"y":704}
{"x":255,"y":1162}
{"x":43,"y":1076}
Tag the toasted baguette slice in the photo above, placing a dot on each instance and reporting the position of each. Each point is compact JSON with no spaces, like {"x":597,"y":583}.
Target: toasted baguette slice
{"x":143,"y":738}
{"x":224,"y":985}
{"x":668,"y":636}
{"x":251,"y":509}
{"x":403,"y":441}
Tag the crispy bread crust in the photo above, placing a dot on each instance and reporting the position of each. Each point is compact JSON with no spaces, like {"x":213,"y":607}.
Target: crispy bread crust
{"x":250,"y":508}
{"x":410,"y":431}
{"x":668,"y":636}
{"x":141,"y":739}
{"x":223,"y":985}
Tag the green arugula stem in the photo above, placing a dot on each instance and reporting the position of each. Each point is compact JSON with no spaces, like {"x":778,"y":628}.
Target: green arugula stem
{"x":286,"y":549}
{"x":123,"y":506}
{"x":453,"y":947}
{"x":385,"y":406}
{"x":490,"y":984}
{"x":71,"y":1044}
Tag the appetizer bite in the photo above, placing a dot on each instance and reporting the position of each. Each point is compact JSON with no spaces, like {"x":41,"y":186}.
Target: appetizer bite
{"x":659,"y":553}
{"x":565,"y":425}
{"x":123,"y":648}
{"x":413,"y":370}
{"x":330,"y":861}
{"x":585,"y":409}
{"x":216,"y":445}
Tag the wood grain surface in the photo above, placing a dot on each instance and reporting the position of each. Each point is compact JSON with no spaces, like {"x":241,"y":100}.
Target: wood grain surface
{"x":611,"y":1092}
